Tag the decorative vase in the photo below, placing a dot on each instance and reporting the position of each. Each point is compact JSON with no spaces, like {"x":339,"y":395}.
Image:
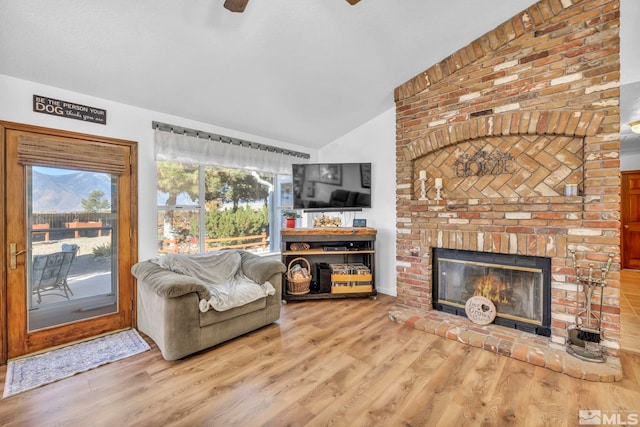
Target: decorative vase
{"x":291,"y":223}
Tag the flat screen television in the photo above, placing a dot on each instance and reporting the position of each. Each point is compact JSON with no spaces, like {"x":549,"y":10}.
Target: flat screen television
{"x":332,"y":186}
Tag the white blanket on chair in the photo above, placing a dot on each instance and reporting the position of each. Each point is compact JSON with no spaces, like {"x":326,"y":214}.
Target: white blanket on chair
{"x":240,"y":291}
{"x":221,"y":273}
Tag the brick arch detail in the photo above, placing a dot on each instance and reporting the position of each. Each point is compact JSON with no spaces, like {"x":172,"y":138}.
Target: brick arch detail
{"x":561,"y":123}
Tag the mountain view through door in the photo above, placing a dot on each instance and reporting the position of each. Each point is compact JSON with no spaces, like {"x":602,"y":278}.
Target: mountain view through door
{"x":72,"y":217}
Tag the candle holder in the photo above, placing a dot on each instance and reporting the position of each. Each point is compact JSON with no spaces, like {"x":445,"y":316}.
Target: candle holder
{"x":423,"y":189}
{"x":438,"y":187}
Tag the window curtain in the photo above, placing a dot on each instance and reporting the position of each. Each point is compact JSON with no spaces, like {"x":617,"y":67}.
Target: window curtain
{"x":184,"y":148}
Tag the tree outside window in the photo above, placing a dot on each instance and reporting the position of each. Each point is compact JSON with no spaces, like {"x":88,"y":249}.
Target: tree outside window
{"x":235,"y":206}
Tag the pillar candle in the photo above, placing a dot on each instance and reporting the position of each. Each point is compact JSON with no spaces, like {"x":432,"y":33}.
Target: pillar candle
{"x":423,"y":174}
{"x":438,"y":182}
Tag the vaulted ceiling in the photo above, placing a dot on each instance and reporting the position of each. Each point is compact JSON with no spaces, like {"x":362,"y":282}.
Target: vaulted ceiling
{"x":299,"y":71}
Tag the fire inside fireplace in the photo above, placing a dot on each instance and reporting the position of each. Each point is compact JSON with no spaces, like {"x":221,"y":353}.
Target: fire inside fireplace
{"x":519,"y":286}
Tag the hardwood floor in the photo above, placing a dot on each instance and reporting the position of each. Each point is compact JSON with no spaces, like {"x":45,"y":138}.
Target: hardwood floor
{"x":630,"y":310}
{"x":339,"y":362}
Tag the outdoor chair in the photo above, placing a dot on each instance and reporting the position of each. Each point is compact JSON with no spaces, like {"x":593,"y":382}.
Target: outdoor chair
{"x":50,"y":272}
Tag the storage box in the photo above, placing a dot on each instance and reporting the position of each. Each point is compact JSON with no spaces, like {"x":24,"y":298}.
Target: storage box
{"x":351,"y":278}
{"x":345,"y":288}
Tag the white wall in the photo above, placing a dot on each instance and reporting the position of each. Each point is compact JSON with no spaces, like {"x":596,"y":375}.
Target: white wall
{"x":374,"y":142}
{"x":630,"y":162}
{"x":123,"y":122}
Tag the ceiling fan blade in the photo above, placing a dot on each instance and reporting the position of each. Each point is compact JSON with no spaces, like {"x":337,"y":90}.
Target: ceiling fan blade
{"x":237,"y":5}
{"x":352,"y":2}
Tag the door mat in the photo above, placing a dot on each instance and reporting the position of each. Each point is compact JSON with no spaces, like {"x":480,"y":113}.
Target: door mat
{"x":34,"y":371}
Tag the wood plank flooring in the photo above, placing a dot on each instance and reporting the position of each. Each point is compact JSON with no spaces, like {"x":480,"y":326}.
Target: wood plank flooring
{"x":337,"y":363}
{"x":630,"y":310}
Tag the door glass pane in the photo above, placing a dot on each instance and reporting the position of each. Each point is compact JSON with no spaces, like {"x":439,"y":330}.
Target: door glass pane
{"x":72,"y":241}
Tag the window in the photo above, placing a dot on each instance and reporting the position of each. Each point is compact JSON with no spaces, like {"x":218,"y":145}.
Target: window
{"x":217,"y":192}
{"x":204,"y":208}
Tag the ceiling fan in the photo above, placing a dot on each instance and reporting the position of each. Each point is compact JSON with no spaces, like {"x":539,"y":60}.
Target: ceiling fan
{"x":239,"y":5}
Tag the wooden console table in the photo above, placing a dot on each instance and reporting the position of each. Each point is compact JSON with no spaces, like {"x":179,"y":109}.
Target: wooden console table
{"x":339,"y":245}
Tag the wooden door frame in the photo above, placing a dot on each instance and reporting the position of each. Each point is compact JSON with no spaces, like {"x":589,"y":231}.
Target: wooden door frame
{"x":623,"y":215}
{"x":133,"y":145}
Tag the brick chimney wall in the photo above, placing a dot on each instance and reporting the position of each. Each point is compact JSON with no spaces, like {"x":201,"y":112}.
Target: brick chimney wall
{"x":542,"y":87}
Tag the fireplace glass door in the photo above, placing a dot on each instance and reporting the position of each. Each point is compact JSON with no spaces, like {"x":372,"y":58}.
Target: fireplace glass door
{"x":516,"y":285}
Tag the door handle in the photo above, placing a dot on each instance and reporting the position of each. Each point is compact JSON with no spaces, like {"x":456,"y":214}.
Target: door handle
{"x":626,"y":226}
{"x":13,"y":253}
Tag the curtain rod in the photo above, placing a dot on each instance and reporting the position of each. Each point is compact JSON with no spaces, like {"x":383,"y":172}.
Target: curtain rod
{"x":165,"y":127}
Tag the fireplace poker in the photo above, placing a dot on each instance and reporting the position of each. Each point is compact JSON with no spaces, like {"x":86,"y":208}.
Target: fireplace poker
{"x":590,"y":330}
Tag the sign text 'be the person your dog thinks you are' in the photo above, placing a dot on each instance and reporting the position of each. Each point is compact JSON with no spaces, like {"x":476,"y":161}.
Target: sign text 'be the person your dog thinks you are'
{"x":56,"y":107}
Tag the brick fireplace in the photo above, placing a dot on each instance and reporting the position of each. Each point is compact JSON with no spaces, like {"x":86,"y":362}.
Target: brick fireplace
{"x":508,"y":122}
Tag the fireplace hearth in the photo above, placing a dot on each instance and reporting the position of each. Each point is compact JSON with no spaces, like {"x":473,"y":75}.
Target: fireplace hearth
{"x":519,"y":286}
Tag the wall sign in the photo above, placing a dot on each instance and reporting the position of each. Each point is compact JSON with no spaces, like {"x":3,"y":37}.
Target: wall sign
{"x":56,"y":107}
{"x":480,"y":310}
{"x":483,"y":163}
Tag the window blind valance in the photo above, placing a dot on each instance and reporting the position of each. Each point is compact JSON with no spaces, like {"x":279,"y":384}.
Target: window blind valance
{"x":182,"y":147}
{"x":59,"y":153}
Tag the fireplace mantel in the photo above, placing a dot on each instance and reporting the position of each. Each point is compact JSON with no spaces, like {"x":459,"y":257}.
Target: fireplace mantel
{"x":454,"y":205}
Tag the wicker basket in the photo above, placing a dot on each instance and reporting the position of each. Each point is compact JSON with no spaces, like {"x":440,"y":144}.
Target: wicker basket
{"x":298,"y":286}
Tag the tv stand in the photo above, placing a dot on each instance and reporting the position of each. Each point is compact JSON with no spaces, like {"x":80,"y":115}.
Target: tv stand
{"x":332,"y":245}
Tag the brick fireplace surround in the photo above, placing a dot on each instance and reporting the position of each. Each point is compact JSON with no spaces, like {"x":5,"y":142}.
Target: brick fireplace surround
{"x":542,"y":88}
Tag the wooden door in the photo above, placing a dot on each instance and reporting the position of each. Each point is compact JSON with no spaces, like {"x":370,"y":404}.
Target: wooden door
{"x":630,"y":207}
{"x":46,"y":313}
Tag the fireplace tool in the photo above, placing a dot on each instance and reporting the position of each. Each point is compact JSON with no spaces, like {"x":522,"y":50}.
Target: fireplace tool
{"x":585,"y":338}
